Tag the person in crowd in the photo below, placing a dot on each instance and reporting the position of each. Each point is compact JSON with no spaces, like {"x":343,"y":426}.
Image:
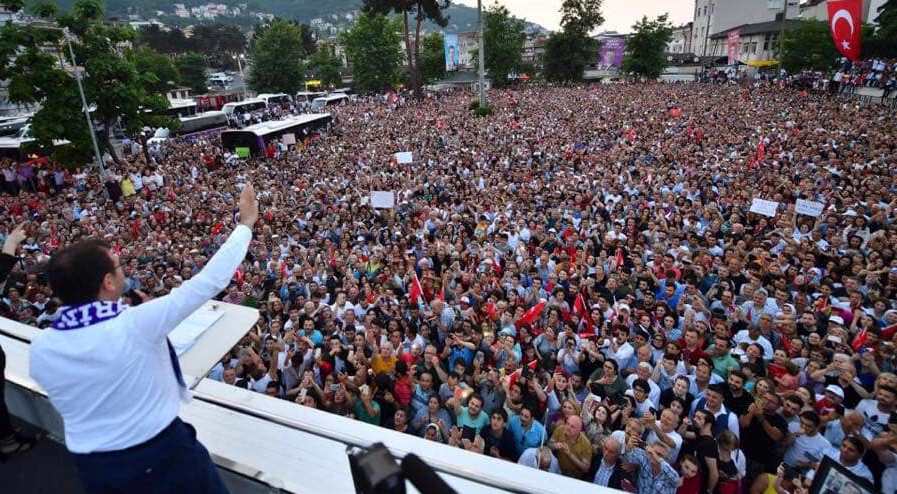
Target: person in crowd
{"x":545,"y":262}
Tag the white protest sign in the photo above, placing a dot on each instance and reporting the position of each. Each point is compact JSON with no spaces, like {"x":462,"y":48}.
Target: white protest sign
{"x":764,"y":207}
{"x":383,"y":200}
{"x":289,"y":139}
{"x":404,"y":157}
{"x":809,"y":208}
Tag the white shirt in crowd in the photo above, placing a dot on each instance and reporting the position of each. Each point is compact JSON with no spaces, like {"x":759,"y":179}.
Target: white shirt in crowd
{"x":113,"y":382}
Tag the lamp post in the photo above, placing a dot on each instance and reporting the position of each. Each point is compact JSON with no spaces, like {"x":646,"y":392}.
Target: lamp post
{"x":67,"y":36}
{"x":93,"y":134}
{"x":482,"y":75}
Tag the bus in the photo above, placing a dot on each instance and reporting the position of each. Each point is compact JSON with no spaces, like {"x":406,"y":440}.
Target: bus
{"x":17,"y":147}
{"x":257,"y":137}
{"x":308,"y":96}
{"x":232,"y":110}
{"x":195,"y":123}
{"x":180,"y":108}
{"x":11,"y":125}
{"x":331,"y":99}
{"x":275,"y":99}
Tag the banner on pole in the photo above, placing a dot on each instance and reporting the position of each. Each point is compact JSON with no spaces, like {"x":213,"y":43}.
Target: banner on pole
{"x":611,"y":52}
{"x":452,"y":52}
{"x":289,"y":139}
{"x":733,"y":39}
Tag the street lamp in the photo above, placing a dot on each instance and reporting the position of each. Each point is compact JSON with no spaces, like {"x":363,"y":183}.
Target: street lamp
{"x":239,"y":59}
{"x":482,"y":76}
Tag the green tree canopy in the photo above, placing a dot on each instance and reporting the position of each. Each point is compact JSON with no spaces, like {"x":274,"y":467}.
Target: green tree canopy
{"x":277,"y":59}
{"x":147,"y":60}
{"x":646,"y":48}
{"x":581,"y":15}
{"x":504,"y":38}
{"x":192,"y":70}
{"x":324,"y":66}
{"x":567,"y":53}
{"x":809,"y":45}
{"x":115,"y":89}
{"x":421,"y":10}
{"x":432,"y":60}
{"x":373,"y":46}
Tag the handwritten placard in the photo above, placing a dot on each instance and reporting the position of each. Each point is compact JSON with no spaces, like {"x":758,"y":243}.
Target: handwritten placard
{"x":764,"y":207}
{"x":383,"y":199}
{"x":809,"y":208}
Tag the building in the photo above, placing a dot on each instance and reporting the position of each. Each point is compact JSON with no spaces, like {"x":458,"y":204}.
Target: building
{"x":718,"y":16}
{"x":758,"y":43}
{"x":818,"y":9}
{"x":681,"y":42}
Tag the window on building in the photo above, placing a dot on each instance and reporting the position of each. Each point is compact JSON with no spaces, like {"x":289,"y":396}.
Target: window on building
{"x":766,"y":39}
{"x":753,"y":47}
{"x":705,"y":10}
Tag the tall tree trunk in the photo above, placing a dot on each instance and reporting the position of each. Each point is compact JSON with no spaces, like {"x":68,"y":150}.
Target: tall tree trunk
{"x":144,"y":146}
{"x":418,"y":90}
{"x":412,"y":70}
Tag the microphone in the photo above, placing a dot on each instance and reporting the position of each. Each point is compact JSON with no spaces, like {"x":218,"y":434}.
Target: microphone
{"x":423,"y":477}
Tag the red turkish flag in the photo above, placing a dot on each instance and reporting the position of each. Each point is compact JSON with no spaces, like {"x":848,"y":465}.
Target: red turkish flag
{"x":416,"y":290}
{"x":888,"y":332}
{"x":531,"y":315}
{"x":860,"y":340}
{"x":846,"y":23}
{"x":579,"y":308}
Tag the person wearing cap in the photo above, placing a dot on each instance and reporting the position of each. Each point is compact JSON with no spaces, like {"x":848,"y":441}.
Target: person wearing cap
{"x":830,"y":401}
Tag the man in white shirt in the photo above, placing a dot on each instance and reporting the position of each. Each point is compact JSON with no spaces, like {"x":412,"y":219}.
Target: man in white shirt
{"x":664,"y":430}
{"x":806,"y":446}
{"x":113,"y":375}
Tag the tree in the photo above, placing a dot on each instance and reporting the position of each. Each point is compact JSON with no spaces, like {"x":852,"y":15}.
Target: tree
{"x":808,"y":46}
{"x":884,"y":42}
{"x":147,"y":60}
{"x":432,"y":60}
{"x":374,"y":49}
{"x":568,"y":52}
{"x":192,"y":70}
{"x":504,"y":38}
{"x":116,"y":90}
{"x":422,"y":10}
{"x":581,"y":15}
{"x":326,"y":67}
{"x":277,"y":59}
{"x":646,"y":49}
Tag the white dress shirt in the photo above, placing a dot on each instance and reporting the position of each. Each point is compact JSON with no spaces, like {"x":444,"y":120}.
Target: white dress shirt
{"x":113,"y":382}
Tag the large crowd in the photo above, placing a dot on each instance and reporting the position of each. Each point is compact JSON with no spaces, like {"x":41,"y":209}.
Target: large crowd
{"x":576,"y":283}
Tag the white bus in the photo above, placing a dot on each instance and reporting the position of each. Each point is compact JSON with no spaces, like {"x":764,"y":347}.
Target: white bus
{"x":180,"y":108}
{"x":308,"y":96}
{"x":274,"y":99}
{"x":237,"y":108}
{"x":331,"y":99}
{"x":257,"y":137}
{"x":194,"y":123}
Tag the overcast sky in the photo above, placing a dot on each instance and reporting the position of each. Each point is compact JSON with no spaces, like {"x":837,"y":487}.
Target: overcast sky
{"x":619,"y":15}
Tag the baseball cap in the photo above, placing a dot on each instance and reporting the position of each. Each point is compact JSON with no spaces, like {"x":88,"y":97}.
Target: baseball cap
{"x":835,"y":390}
{"x":837,"y":320}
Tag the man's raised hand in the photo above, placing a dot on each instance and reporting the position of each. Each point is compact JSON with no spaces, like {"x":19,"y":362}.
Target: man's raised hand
{"x":249,"y":206}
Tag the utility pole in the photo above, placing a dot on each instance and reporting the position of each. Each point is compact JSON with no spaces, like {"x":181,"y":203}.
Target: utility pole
{"x":93,"y":134}
{"x":482,"y":57}
{"x":782,"y":31}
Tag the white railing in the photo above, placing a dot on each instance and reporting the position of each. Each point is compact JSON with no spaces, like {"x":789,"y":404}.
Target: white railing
{"x":282,"y":446}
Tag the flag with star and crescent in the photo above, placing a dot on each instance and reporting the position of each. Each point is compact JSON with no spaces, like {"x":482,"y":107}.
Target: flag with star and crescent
{"x":846,"y":24}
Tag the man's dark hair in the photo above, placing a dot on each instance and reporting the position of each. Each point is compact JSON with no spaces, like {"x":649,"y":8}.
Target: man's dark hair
{"x":76,"y":273}
{"x":501,"y":413}
{"x":797,"y":400}
{"x":642,"y":385}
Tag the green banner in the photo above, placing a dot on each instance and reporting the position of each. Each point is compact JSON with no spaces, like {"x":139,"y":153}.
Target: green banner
{"x":242,"y":152}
